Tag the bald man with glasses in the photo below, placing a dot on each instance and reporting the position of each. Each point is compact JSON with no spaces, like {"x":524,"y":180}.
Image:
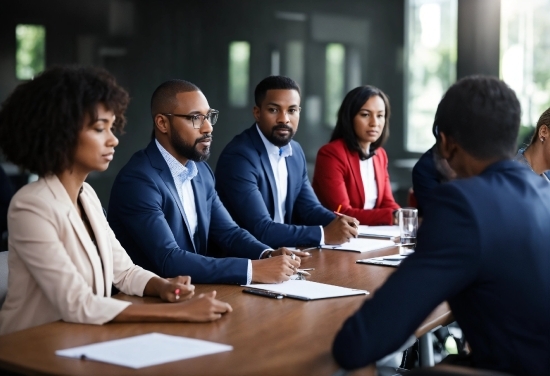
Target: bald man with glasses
{"x":164,"y":208}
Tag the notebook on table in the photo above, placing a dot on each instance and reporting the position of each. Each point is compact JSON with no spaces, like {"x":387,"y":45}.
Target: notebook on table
{"x":390,"y":260}
{"x":362,"y":245}
{"x":382,"y":232}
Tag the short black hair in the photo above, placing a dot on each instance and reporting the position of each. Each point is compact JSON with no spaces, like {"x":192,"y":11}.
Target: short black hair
{"x":273,"y":83}
{"x":482,"y":114}
{"x":164,"y":100}
{"x":41,"y":119}
{"x":350,"y":107}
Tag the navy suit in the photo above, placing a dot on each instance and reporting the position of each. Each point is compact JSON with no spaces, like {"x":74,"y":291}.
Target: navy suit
{"x":483,"y":247}
{"x":425,"y":179}
{"x":147,"y":217}
{"x":246,"y":185}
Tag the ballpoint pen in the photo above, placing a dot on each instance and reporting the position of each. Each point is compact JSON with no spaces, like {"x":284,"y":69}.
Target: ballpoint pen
{"x":311,"y":248}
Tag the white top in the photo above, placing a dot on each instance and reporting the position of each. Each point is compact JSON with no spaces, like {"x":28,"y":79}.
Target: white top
{"x":369,"y":183}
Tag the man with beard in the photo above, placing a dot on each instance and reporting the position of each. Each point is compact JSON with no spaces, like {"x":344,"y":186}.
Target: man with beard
{"x":164,"y":207}
{"x":262,"y":176}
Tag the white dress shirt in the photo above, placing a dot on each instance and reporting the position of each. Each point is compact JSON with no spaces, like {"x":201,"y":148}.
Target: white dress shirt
{"x":277,"y":159}
{"x":182,"y":176}
{"x":369,"y":183}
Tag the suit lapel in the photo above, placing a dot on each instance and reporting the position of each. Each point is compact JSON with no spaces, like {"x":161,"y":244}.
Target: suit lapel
{"x":200,"y":207}
{"x":353,"y":160}
{"x":266,"y":164}
{"x":63,"y":198}
{"x":102,"y":242}
{"x":294,"y":179}
{"x":377,"y":164}
{"x":158,"y":162}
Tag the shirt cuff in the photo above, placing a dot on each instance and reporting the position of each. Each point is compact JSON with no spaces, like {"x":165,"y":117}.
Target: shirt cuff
{"x":249,"y":273}
{"x":264,"y":251}
{"x":322,"y":242}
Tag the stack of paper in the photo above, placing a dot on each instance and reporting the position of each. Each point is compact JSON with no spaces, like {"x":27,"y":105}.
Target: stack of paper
{"x":308,"y":290}
{"x":362,"y":245}
{"x":386,"y":232}
{"x":145,"y":350}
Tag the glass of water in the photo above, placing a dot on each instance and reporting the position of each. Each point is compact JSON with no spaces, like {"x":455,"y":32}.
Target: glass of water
{"x":408,"y":226}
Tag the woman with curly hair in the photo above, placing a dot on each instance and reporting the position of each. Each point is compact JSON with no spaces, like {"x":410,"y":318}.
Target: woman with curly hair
{"x":351,"y":172}
{"x":63,"y":255}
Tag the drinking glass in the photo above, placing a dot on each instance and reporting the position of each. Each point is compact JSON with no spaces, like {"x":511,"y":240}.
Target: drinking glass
{"x":408,"y":226}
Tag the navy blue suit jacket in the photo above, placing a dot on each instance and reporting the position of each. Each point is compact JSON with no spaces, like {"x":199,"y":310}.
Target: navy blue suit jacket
{"x":246,"y":185}
{"x":483,"y":247}
{"x":147,"y":217}
{"x":425,"y":179}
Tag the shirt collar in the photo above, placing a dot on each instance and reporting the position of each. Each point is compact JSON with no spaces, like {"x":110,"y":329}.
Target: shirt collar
{"x":178,"y":171}
{"x":285,"y":151}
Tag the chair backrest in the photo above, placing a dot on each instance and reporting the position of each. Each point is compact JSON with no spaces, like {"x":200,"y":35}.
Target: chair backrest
{"x":3,"y":276}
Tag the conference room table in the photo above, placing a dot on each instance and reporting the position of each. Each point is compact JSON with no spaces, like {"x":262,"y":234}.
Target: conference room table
{"x":269,"y":336}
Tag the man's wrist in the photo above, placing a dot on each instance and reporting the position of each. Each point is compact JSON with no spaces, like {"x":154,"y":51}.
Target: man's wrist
{"x":266,"y":254}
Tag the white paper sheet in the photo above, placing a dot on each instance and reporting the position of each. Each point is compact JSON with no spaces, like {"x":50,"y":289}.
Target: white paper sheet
{"x":145,"y":350}
{"x":385,"y":231}
{"x":308,"y":290}
{"x":362,"y":245}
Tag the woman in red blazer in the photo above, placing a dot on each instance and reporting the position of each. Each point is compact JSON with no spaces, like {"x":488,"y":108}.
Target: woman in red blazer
{"x":352,"y":170}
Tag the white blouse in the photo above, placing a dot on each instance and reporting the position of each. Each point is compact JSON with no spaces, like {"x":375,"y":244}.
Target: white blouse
{"x":369,"y":183}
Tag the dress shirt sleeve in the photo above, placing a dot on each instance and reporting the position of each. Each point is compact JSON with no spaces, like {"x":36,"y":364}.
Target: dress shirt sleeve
{"x":442,"y":266}
{"x":35,"y":236}
{"x":249,"y":273}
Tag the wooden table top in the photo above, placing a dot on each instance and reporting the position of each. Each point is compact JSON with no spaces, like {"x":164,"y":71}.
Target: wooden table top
{"x":269,"y":336}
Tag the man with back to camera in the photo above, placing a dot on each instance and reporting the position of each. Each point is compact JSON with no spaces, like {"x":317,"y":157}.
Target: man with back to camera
{"x":482,"y":246}
{"x":261,"y":176}
{"x":163,"y":204}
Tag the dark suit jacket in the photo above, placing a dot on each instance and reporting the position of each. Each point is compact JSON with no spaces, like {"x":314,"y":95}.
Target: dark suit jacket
{"x":337,"y":181}
{"x":483,"y":247}
{"x":147,"y":217}
{"x":425,"y":179}
{"x":246,"y":185}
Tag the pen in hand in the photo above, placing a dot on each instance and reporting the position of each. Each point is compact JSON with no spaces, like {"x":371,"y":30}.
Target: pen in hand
{"x":352,"y":223}
{"x":177,"y":292}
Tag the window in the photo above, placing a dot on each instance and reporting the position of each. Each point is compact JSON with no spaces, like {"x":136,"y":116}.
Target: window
{"x":524,"y":56}
{"x":239,"y":67}
{"x":335,"y":56}
{"x":30,"y":55}
{"x":430,"y":65}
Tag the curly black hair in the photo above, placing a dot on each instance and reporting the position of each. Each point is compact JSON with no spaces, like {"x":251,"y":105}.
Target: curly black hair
{"x":41,"y":119}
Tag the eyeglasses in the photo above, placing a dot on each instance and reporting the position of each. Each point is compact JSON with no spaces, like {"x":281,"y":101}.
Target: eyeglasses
{"x":198,"y":119}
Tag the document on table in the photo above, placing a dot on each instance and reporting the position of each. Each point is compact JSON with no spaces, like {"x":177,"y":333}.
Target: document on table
{"x":386,"y":232}
{"x":362,"y":245}
{"x":391,"y":260}
{"x":307,"y":290}
{"x":145,"y":350}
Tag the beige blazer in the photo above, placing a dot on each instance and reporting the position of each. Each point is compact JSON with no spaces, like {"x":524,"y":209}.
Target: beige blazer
{"x":55,"y":270}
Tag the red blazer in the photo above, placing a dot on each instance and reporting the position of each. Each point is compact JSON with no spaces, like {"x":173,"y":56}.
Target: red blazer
{"x":337,"y":181}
